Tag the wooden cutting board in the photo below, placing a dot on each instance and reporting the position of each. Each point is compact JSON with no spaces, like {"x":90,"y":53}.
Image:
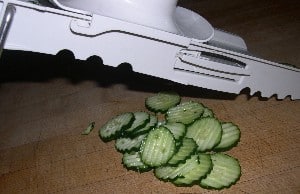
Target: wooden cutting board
{"x":46,"y":102}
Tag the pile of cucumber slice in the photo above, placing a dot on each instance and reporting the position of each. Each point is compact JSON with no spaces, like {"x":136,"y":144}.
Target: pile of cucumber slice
{"x":185,"y":148}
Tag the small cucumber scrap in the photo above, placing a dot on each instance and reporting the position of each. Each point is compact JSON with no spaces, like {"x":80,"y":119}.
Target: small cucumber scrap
{"x":226,"y":171}
{"x":230,"y":137}
{"x":185,"y":113}
{"x":201,"y":170}
{"x":206,"y":132}
{"x":158,"y":147}
{"x":89,"y":129}
{"x":133,"y":161}
{"x":187,"y":148}
{"x":113,"y":128}
{"x":162,"y":101}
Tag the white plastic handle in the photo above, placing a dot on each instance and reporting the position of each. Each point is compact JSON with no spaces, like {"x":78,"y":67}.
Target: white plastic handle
{"x":70,"y":8}
{"x":152,"y":13}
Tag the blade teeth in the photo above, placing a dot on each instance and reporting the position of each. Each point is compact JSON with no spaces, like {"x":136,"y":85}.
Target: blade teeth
{"x":265,"y":94}
{"x":252,"y":92}
{"x":269,"y":95}
{"x":281,"y":96}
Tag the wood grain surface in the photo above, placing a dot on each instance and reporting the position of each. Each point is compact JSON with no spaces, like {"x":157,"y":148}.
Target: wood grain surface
{"x":47,"y":101}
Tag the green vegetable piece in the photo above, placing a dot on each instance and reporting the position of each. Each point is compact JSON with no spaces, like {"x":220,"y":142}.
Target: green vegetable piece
{"x":114,"y":127}
{"x":89,"y":129}
{"x":158,"y":147}
{"x":162,"y":101}
{"x":230,"y":137}
{"x":206,"y":132}
{"x":226,"y":171}
{"x":186,"y":112}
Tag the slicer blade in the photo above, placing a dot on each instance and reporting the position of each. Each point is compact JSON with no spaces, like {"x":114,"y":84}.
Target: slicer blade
{"x":194,"y":53}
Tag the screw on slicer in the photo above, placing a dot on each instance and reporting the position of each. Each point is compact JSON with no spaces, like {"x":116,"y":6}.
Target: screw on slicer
{"x":6,"y":21}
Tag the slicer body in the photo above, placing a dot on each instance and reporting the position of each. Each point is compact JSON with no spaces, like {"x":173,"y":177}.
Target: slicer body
{"x":194,"y":53}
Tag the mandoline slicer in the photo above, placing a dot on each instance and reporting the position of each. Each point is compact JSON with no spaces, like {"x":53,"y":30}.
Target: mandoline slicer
{"x":156,"y":37}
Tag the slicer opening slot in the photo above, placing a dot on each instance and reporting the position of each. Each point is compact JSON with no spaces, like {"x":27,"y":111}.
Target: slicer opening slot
{"x":223,"y":59}
{"x":205,"y":74}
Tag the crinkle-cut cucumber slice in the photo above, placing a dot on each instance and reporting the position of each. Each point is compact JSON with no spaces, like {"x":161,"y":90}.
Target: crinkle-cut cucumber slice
{"x":206,"y":132}
{"x":177,"y":129}
{"x":197,"y":173}
{"x":171,"y":172}
{"x":113,"y":128}
{"x":126,"y":144}
{"x":187,"y":148}
{"x":150,"y":125}
{"x":133,"y":161}
{"x":186,"y":112}
{"x":158,"y":147}
{"x":226,"y":171}
{"x":207,"y":113}
{"x":140,"y":120}
{"x":162,"y":101}
{"x":230,"y":137}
